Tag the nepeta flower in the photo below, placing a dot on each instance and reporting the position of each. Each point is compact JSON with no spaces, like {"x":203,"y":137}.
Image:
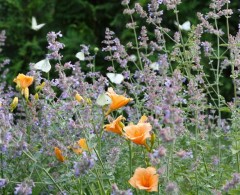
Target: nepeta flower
{"x":24,"y":188}
{"x":85,"y":164}
{"x":145,"y":179}
{"x":116,"y":191}
{"x":3,"y":183}
{"x":54,"y":46}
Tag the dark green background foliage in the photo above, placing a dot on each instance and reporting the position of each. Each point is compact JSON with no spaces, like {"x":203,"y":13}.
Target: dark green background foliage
{"x":80,"y":21}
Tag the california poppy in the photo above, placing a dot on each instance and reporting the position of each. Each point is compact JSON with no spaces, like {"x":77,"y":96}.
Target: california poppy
{"x":58,"y":154}
{"x":23,"y":82}
{"x":118,"y":101}
{"x":140,"y":132}
{"x":145,"y":179}
{"x":116,"y":126}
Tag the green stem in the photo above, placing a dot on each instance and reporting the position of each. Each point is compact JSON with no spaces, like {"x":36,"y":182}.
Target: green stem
{"x":29,"y":156}
{"x":130,"y":158}
{"x":99,"y":158}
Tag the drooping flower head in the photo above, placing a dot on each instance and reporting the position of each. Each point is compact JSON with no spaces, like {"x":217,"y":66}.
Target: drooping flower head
{"x":145,"y":179}
{"x":116,"y":126}
{"x":59,"y":155}
{"x":140,"y":132}
{"x":118,"y":101}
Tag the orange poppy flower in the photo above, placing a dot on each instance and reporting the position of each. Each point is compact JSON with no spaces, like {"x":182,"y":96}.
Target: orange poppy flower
{"x":140,"y":132}
{"x":23,"y":82}
{"x":58,"y":154}
{"x":116,"y":126}
{"x":145,"y":179}
{"x":118,"y":101}
{"x":83,"y":144}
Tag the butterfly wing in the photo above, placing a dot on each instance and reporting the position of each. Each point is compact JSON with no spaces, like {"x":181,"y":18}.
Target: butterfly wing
{"x":35,"y":26}
{"x":43,"y":65}
{"x":154,"y":66}
{"x":103,"y":99}
{"x":119,"y":78}
{"x":34,"y":22}
{"x":115,"y":78}
{"x":80,"y":56}
{"x":186,"y":26}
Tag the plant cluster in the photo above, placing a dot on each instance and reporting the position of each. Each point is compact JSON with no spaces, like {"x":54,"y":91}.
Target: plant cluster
{"x":157,"y":123}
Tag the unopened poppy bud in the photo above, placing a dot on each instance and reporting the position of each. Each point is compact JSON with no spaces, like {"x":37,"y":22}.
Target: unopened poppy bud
{"x":40,"y":87}
{"x":14,"y":104}
{"x":36,"y":96}
{"x":26,"y":93}
{"x":78,"y":97}
{"x":153,"y":137}
{"x":96,"y":49}
{"x":89,"y":101}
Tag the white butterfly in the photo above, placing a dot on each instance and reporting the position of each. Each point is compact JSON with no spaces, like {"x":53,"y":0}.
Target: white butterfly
{"x":185,"y":26}
{"x":154,"y":66}
{"x":80,"y":56}
{"x":36,"y":26}
{"x":103,"y":99}
{"x":115,"y":78}
{"x":43,"y":65}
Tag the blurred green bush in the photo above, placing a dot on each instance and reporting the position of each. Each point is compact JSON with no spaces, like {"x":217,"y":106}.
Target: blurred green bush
{"x":80,"y":21}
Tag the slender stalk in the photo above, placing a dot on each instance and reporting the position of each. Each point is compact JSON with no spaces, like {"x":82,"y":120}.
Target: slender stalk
{"x":136,"y":42}
{"x":130,"y":158}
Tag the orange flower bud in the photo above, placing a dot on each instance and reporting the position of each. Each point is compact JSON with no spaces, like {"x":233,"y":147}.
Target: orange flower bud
{"x":78,"y":97}
{"x":59,"y":155}
{"x":83,"y":144}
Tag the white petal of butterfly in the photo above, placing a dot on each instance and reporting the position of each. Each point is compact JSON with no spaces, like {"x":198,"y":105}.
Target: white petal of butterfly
{"x":80,"y":56}
{"x":185,"y":26}
{"x":36,"y":26}
{"x":154,"y":66}
{"x":43,"y":65}
{"x":103,"y":99}
{"x":115,"y":78}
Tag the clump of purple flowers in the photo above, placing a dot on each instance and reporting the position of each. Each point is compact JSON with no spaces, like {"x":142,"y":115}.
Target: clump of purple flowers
{"x":24,"y":188}
{"x":54,"y":46}
{"x":85,"y":164}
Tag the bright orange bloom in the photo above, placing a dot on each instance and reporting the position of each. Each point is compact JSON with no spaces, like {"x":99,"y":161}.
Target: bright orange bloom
{"x":138,"y":133}
{"x":116,"y":126}
{"x":145,"y":179}
{"x":83,"y":144}
{"x":58,"y":154}
{"x":23,"y":81}
{"x":118,"y":101}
